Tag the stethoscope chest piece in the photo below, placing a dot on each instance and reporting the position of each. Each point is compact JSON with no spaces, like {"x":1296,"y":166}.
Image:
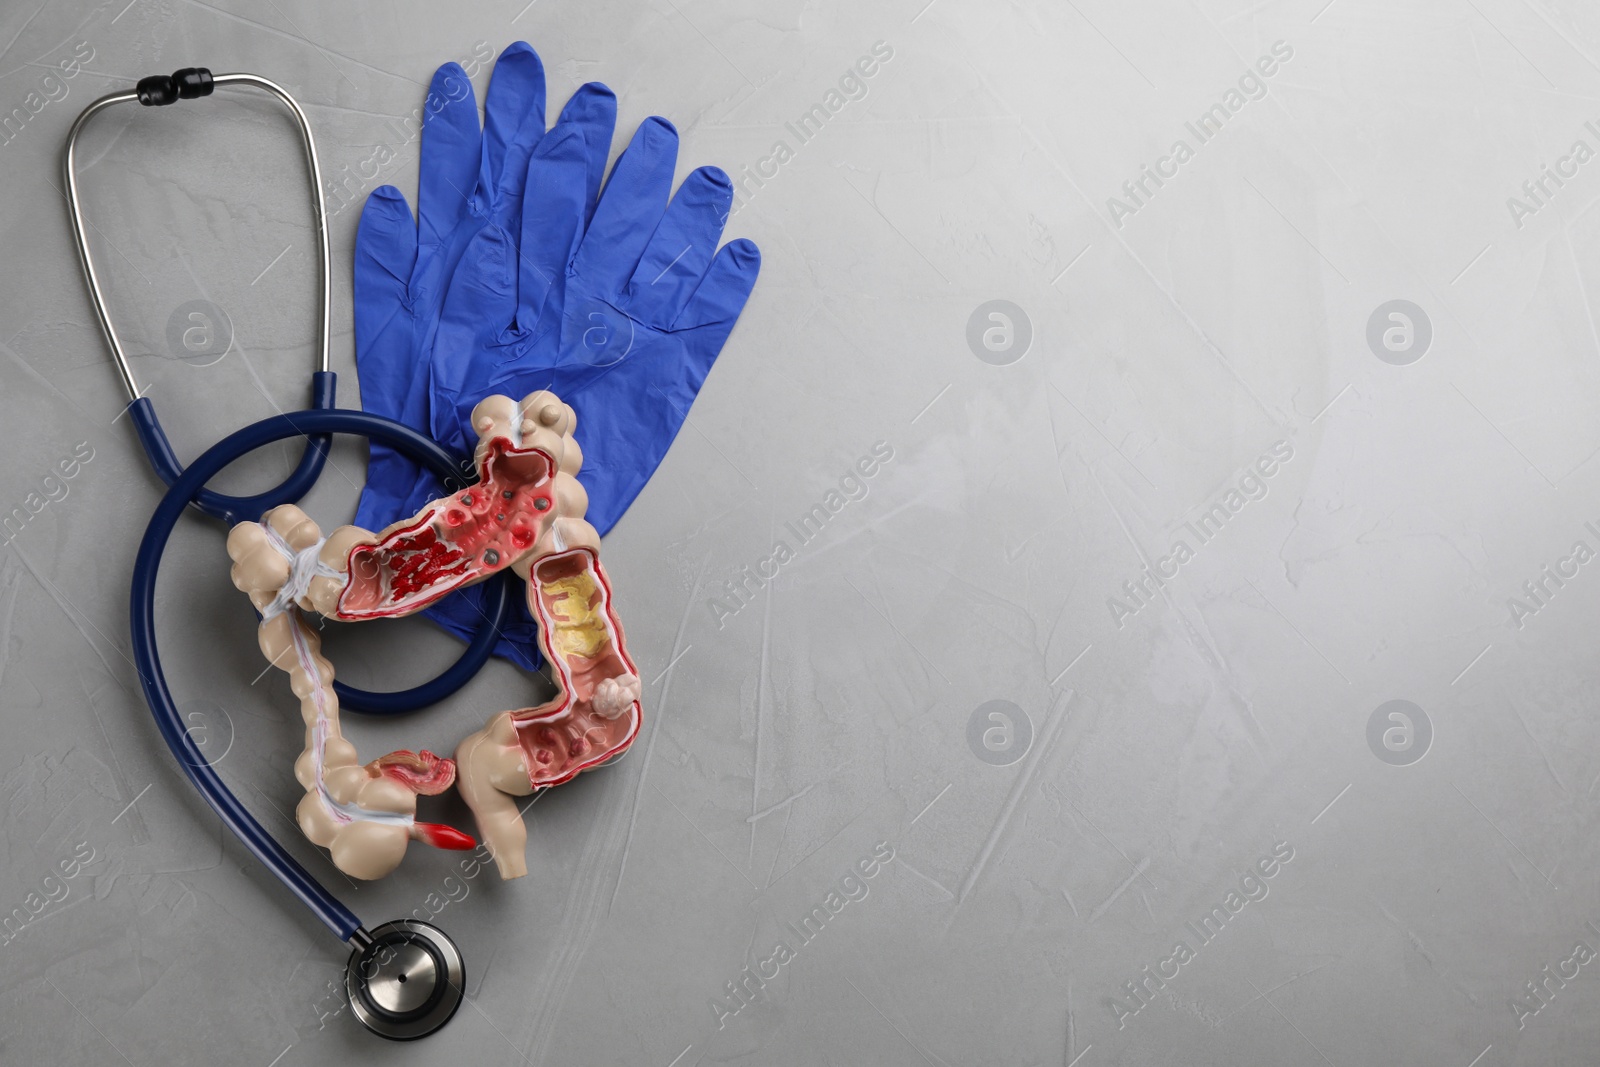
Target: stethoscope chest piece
{"x":405,"y":980}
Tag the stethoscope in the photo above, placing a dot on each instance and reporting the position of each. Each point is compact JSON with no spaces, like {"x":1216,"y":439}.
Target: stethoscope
{"x":404,"y":978}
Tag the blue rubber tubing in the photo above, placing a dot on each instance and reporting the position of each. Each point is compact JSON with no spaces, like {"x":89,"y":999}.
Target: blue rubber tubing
{"x":147,"y":662}
{"x":235,"y":509}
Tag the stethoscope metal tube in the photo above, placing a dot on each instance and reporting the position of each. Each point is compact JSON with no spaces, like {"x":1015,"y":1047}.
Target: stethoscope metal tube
{"x":189,"y":84}
{"x":384,"y":1001}
{"x":192,"y":83}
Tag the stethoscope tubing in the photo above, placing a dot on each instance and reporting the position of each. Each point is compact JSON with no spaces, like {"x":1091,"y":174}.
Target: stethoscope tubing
{"x":187,"y":488}
{"x":146,"y":656}
{"x":235,"y":509}
{"x":81,"y":235}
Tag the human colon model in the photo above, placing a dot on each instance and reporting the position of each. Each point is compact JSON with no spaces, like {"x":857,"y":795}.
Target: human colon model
{"x":524,"y":513}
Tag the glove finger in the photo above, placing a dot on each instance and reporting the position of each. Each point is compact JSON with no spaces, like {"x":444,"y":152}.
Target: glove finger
{"x":449,"y":159}
{"x":563,"y":184}
{"x":552,"y":218}
{"x":513,"y":124}
{"x":480,"y":304}
{"x":624,"y":431}
{"x":631,"y":205}
{"x":681,"y":248}
{"x":390,"y":373}
{"x":593,"y":110}
{"x":721,"y":294}
{"x":386,"y":250}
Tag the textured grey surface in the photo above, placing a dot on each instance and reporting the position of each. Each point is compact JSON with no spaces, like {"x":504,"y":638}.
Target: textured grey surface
{"x":1151,"y":750}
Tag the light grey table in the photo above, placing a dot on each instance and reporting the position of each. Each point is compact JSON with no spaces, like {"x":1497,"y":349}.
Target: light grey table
{"x":1287,"y":412}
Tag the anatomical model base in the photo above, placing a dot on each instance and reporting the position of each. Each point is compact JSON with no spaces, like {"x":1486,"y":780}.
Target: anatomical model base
{"x":524,"y":513}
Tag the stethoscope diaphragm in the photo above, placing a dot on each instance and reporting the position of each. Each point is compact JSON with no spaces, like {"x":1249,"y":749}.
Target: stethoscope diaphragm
{"x":406,"y":980}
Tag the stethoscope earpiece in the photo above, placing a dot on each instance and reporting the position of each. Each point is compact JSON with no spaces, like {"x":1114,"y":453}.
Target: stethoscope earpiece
{"x":404,"y":979}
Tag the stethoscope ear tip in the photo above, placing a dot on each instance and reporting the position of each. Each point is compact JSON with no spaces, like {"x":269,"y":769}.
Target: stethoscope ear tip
{"x":404,"y":979}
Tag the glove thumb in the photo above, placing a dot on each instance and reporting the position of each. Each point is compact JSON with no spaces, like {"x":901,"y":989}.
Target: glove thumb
{"x":386,"y":249}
